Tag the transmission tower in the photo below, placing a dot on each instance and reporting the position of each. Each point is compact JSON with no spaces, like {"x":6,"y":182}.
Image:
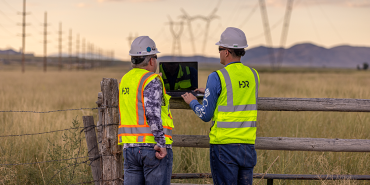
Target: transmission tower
{"x":284,"y":33}
{"x":130,"y":39}
{"x":176,"y":45}
{"x":207,"y":19}
{"x":266,"y":27}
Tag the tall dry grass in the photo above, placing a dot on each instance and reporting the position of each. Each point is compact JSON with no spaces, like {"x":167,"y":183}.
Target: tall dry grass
{"x":38,"y":91}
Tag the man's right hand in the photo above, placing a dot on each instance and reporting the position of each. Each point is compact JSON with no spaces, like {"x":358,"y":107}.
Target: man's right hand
{"x":201,"y":90}
{"x":162,"y":152}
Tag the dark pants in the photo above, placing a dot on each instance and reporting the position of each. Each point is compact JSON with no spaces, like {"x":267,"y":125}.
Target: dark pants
{"x":141,"y":167}
{"x":232,"y":164}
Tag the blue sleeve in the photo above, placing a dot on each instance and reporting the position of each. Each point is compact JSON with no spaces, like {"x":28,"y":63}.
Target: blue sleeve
{"x":211,"y":94}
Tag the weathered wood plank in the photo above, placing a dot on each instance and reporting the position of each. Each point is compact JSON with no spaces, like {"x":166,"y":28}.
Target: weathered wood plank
{"x":278,"y":176}
{"x":92,"y":147}
{"x":285,"y":143}
{"x":298,"y":104}
{"x":111,"y":151}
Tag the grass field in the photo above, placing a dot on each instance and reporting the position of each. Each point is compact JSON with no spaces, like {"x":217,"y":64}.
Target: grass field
{"x":54,"y":90}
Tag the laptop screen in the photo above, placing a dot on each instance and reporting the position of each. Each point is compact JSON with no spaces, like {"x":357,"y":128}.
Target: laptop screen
{"x":179,"y":76}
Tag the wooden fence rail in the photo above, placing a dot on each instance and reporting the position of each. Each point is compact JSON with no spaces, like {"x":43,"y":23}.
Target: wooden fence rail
{"x":111,"y":161}
{"x":285,"y":143}
{"x":298,"y":104}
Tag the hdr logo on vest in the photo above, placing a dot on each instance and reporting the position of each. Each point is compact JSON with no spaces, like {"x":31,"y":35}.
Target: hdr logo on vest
{"x":245,"y":83}
{"x":125,"y":90}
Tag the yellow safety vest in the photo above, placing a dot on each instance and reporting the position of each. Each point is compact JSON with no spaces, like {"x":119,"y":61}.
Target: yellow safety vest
{"x":235,"y":117}
{"x":133,"y":124}
{"x":182,"y":80}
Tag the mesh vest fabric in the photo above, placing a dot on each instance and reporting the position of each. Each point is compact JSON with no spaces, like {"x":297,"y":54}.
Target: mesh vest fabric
{"x":235,"y":116}
{"x":182,"y":80}
{"x":133,"y":124}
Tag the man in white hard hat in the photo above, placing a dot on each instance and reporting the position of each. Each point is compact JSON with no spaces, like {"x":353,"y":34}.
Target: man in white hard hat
{"x":146,"y":124}
{"x":230,"y":99}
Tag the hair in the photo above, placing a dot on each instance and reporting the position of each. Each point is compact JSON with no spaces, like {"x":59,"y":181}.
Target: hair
{"x":237,"y":52}
{"x":140,"y":61}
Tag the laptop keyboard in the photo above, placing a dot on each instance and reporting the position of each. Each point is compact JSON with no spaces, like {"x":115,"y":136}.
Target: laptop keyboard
{"x":181,"y":93}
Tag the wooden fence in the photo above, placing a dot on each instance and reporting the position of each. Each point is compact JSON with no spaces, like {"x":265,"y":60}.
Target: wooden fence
{"x":109,"y":168}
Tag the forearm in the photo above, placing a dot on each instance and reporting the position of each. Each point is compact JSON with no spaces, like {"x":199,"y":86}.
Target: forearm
{"x":153,"y":94}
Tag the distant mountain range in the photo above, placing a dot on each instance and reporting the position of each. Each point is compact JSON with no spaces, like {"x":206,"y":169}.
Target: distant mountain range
{"x":302,"y":55}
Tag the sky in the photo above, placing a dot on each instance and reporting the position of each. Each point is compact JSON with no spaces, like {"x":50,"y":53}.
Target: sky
{"x":109,"y":24}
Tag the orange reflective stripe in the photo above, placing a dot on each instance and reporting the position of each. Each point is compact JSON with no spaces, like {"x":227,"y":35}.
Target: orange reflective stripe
{"x":142,"y":94}
{"x":135,"y":135}
{"x":137,"y":100}
{"x":167,"y":127}
{"x":168,"y":136}
{"x":120,"y":126}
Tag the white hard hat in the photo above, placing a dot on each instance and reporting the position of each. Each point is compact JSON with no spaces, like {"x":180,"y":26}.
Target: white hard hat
{"x":142,"y":46}
{"x":233,"y":38}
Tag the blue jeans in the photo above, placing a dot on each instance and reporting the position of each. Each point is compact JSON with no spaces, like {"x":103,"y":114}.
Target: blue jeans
{"x":232,"y":164}
{"x":142,"y":167}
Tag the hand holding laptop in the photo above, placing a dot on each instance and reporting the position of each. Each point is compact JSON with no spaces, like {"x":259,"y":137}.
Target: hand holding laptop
{"x":201,"y":90}
{"x":188,"y":97}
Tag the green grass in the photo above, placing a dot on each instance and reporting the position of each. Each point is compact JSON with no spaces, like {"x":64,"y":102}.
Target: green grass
{"x":54,"y":90}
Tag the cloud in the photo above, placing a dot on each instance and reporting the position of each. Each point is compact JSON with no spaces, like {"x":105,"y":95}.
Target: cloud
{"x":133,"y":1}
{"x":81,"y":5}
{"x":345,"y":3}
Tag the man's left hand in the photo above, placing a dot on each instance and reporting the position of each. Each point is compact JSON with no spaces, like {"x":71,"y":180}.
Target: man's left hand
{"x":188,"y":97}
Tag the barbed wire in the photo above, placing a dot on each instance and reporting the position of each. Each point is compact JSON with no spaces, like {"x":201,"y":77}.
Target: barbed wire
{"x":100,"y":180}
{"x":16,"y":164}
{"x":62,"y":110}
{"x":26,"y":111}
{"x":83,"y":128}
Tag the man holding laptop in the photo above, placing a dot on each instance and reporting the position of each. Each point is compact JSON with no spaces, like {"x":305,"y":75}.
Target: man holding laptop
{"x":230,"y":99}
{"x":146,"y":123}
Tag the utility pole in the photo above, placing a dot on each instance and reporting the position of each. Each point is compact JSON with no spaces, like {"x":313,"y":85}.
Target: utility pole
{"x":130,"y":38}
{"x":45,"y":41}
{"x":266,"y":27}
{"x":83,"y":53}
{"x":92,"y":55}
{"x":77,"y":50}
{"x":70,"y":49}
{"x":23,"y":34}
{"x":60,"y":46}
{"x":176,"y":45}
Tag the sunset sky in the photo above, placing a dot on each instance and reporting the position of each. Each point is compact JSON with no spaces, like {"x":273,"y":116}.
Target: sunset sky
{"x":108,"y":23}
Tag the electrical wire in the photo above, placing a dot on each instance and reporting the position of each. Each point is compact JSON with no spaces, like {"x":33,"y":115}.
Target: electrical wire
{"x":244,"y":22}
{"x":9,"y":6}
{"x":331,"y":24}
{"x":312,"y":22}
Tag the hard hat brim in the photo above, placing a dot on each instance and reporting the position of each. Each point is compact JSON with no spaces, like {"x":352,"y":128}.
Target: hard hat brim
{"x":145,"y":53}
{"x":231,"y":47}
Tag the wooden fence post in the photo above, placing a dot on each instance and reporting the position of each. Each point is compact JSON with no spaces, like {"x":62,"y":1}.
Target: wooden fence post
{"x":110,"y":150}
{"x":92,"y":146}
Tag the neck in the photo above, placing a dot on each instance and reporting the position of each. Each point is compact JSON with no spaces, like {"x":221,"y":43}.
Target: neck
{"x":229,"y":60}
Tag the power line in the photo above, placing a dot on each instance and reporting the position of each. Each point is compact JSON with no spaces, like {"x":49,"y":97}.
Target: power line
{"x":249,"y":16}
{"x":9,"y":6}
{"x":2,"y":13}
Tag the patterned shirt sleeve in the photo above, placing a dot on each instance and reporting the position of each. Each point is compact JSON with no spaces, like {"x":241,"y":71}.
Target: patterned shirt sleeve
{"x":153,"y":95}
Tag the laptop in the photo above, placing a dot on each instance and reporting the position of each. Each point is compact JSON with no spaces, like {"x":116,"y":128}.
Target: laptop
{"x":179,"y":78}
